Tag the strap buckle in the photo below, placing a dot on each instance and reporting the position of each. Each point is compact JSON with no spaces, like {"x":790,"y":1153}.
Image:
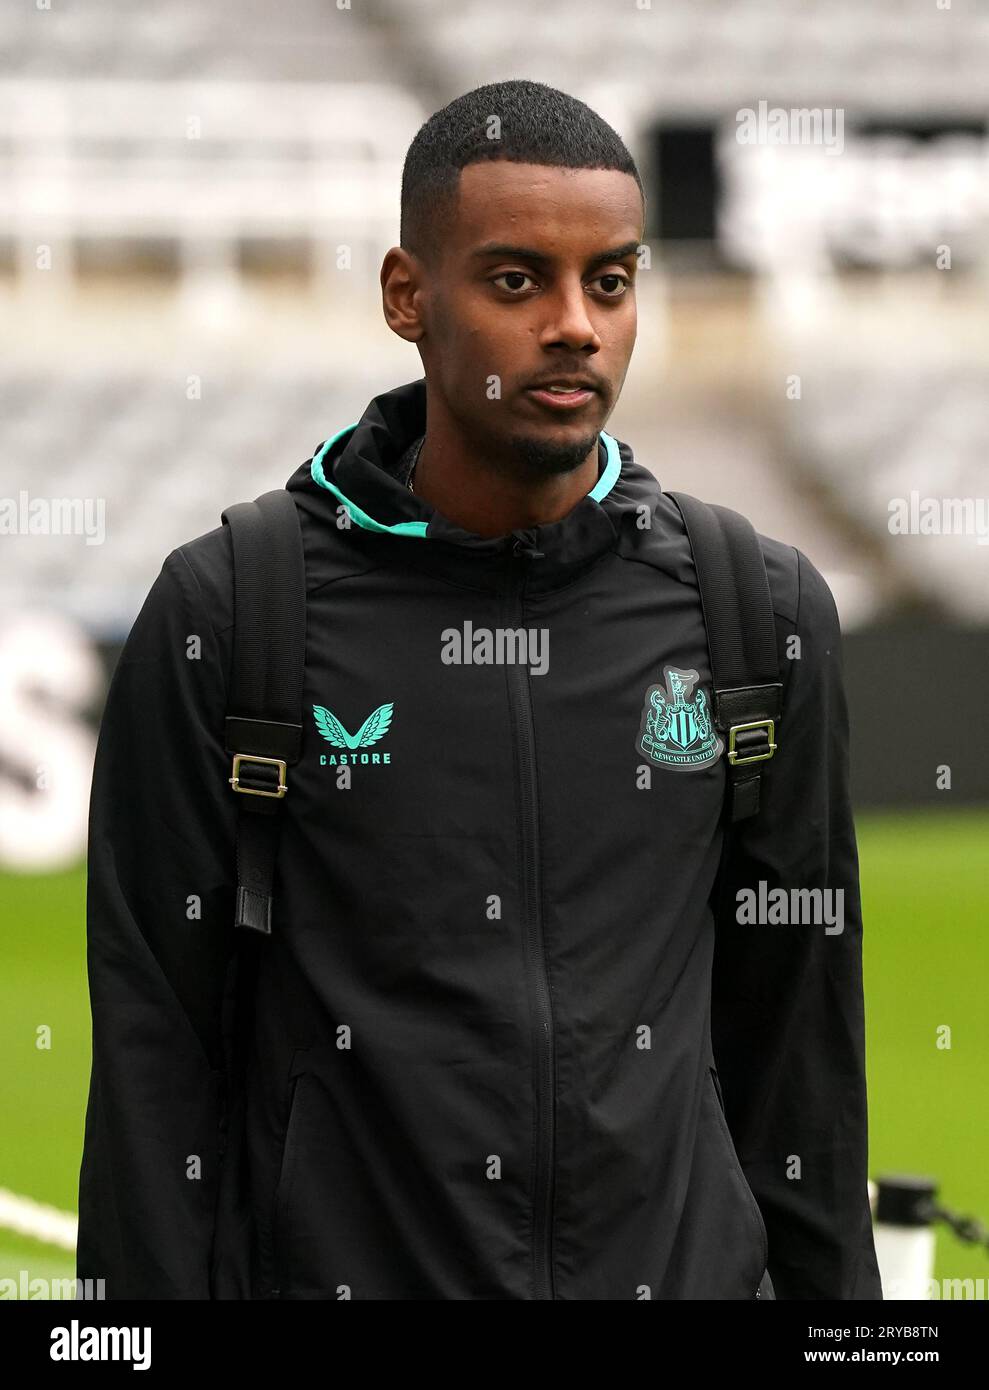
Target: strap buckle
{"x":272,"y":785}
{"x":768,"y":728}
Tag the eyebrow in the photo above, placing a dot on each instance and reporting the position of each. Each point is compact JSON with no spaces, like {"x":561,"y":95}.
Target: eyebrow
{"x":526,"y":253}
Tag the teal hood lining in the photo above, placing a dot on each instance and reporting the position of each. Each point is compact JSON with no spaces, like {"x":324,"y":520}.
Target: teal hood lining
{"x":604,"y":484}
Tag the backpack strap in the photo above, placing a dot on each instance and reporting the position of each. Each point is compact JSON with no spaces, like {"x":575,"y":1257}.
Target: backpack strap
{"x":264,"y":703}
{"x":741,"y":640}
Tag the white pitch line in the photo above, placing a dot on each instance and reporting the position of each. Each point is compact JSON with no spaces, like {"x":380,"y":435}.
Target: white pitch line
{"x":30,"y":1218}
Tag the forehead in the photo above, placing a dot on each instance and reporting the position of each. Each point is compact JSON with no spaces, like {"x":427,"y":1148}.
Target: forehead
{"x":533,"y":204}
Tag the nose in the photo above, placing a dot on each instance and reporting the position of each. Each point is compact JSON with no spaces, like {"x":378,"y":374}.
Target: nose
{"x":568,"y":323}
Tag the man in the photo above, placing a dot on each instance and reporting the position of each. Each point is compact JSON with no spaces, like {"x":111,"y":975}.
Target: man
{"x":512,"y":1035}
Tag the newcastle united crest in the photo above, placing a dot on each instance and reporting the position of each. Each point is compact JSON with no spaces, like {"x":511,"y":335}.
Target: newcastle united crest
{"x":675,"y":730}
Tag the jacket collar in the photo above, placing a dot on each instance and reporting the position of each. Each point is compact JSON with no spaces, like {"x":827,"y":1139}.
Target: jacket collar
{"x":358,"y":469}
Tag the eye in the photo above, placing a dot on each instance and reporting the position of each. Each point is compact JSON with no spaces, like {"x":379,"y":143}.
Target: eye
{"x":622,"y":283}
{"x":511,"y":275}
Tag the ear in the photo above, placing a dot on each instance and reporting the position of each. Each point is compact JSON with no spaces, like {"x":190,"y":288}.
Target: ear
{"x":401,"y":292}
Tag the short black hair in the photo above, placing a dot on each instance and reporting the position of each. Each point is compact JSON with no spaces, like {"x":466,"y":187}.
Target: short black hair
{"x":538,"y":125}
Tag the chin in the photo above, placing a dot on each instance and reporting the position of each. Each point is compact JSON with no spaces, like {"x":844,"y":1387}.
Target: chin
{"x":555,"y":450}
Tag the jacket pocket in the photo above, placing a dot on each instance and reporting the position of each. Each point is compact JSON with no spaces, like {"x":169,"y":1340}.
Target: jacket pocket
{"x":759,"y":1223}
{"x":283,"y":1188}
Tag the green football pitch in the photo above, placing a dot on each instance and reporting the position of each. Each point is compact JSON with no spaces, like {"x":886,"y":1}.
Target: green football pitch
{"x":925,"y":887}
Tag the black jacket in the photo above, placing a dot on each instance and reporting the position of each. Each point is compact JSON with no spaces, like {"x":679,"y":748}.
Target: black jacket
{"x":509,"y":1039}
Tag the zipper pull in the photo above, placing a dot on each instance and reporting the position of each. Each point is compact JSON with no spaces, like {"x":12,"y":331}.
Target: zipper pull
{"x":524,"y":548}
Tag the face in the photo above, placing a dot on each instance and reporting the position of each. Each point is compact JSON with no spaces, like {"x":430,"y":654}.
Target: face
{"x":534,"y":284}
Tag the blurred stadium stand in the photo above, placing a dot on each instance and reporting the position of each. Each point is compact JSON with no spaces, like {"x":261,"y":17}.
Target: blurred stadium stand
{"x":164,"y":468}
{"x":194,"y":202}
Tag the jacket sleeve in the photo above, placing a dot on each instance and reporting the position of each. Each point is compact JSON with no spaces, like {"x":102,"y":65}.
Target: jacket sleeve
{"x":787,"y":1000}
{"x":159,"y":939}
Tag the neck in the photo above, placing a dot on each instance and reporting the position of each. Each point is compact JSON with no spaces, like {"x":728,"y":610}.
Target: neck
{"x":478,"y":494}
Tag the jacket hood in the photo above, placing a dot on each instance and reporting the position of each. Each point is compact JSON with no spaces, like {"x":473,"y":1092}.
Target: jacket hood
{"x":358,"y":467}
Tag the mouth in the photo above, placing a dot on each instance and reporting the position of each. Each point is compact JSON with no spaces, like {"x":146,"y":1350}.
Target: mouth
{"x":563,"y":396}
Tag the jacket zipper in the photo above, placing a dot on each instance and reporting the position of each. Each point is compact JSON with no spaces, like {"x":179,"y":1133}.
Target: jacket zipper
{"x":535,"y":957}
